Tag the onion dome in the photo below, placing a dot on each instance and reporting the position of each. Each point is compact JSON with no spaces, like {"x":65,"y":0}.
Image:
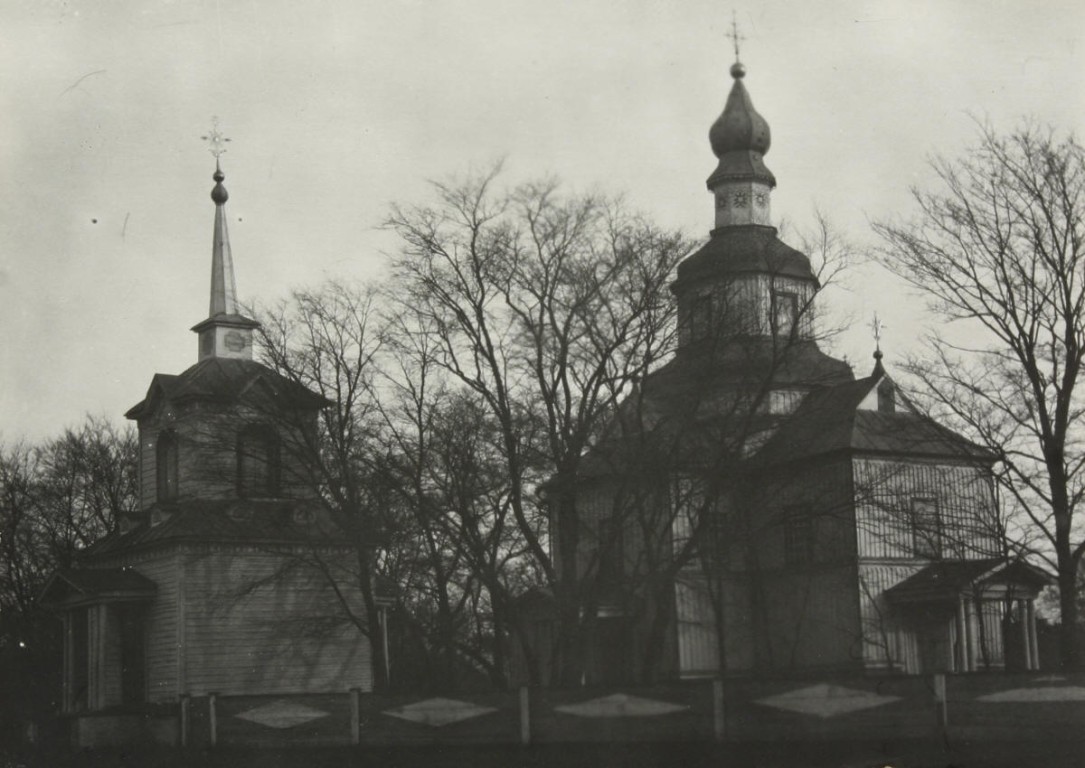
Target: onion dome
{"x":740,"y":137}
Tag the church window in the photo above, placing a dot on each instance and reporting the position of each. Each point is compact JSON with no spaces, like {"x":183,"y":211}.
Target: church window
{"x":926,"y":528}
{"x":700,"y":316}
{"x":687,"y":504}
{"x":785,"y":312}
{"x":257,"y":462}
{"x":798,"y":536}
{"x":610,"y":551}
{"x":166,"y":466}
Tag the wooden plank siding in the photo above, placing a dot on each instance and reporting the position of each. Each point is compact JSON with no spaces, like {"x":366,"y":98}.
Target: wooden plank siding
{"x":891,"y":540}
{"x":802,"y":604}
{"x":266,"y":622}
{"x":207,"y":452}
{"x":162,"y":641}
{"x":884,"y":490}
{"x":888,"y":644}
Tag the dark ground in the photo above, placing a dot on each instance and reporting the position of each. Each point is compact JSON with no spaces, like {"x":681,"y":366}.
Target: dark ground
{"x":1058,"y":754}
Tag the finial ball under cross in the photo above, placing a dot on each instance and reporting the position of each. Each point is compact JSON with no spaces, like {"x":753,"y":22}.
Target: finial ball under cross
{"x":738,"y":71}
{"x":216,"y":142}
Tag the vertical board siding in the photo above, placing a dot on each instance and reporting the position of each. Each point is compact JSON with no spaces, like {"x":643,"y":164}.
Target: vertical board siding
{"x":265,"y":622}
{"x":887,"y":643}
{"x":161,"y":650}
{"x":964,"y":494}
{"x":698,"y":650}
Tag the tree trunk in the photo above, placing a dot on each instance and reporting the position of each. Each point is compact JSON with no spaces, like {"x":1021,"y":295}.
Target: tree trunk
{"x":1068,"y":608}
{"x":570,"y":671}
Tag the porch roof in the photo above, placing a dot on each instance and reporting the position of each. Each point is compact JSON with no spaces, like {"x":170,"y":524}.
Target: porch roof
{"x":947,"y":579}
{"x":94,"y":585}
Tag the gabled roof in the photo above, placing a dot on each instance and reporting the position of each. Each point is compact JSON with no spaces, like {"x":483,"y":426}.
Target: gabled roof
{"x":76,"y":585}
{"x":225,"y":380}
{"x":231,"y":520}
{"x":830,"y":420}
{"x":949,"y":578}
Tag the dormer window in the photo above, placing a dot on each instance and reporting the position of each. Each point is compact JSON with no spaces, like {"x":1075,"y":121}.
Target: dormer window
{"x":166,"y":466}
{"x":258,"y":462}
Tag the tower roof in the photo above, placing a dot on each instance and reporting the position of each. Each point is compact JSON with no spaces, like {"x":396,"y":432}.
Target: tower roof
{"x":740,"y":137}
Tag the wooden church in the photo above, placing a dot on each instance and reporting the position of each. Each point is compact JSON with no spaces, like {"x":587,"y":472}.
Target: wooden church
{"x":757,"y":509}
{"x":231,"y":579}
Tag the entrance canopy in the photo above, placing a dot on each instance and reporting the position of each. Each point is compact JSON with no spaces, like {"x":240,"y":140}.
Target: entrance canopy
{"x":74,"y":587}
{"x":949,"y":580}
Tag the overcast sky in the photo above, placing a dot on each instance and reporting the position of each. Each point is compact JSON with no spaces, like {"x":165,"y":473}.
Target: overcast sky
{"x":336,"y":109}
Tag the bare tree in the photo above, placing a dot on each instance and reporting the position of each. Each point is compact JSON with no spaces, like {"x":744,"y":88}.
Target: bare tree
{"x":546,"y":307}
{"x":56,"y":498}
{"x":999,"y":248}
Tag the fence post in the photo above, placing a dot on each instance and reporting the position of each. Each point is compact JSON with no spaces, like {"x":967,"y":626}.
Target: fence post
{"x":355,"y":716}
{"x":212,"y":718}
{"x":184,"y":719}
{"x":941,"y":706}
{"x":525,"y":715}
{"x":719,"y":722}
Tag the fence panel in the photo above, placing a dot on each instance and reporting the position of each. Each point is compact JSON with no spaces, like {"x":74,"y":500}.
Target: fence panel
{"x":674,"y":712}
{"x":1037,"y":704}
{"x":885,"y":707}
{"x":291,"y":720}
{"x":455,"y":719}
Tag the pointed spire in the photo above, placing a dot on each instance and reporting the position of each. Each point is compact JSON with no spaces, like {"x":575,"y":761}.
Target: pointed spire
{"x":223,"y":283}
{"x":225,"y":332}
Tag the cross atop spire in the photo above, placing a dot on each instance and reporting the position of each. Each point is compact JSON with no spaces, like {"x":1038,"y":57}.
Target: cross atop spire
{"x":216,"y":142}
{"x":876,"y":327}
{"x":735,"y":37}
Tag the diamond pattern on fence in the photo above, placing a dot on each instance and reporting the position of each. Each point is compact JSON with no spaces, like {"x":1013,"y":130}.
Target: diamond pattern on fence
{"x":621,"y":705}
{"x":282,"y":714}
{"x":825,"y":700}
{"x":437,"y":712}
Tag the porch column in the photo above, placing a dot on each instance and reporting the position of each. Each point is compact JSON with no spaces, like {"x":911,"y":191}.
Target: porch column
{"x":1026,"y":635}
{"x":960,"y":663}
{"x":66,"y":664}
{"x":1034,"y":645}
{"x":969,"y":637}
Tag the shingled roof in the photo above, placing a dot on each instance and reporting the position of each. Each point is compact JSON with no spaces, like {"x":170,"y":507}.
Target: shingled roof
{"x":231,"y":520}
{"x":225,"y":380}
{"x":830,"y":420}
{"x":747,"y":248}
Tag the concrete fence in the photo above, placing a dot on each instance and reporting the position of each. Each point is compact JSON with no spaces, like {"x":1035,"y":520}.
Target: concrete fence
{"x":1029,"y":705}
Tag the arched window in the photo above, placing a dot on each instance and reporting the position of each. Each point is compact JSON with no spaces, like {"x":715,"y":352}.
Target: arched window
{"x":166,"y":466}
{"x":257,"y":462}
